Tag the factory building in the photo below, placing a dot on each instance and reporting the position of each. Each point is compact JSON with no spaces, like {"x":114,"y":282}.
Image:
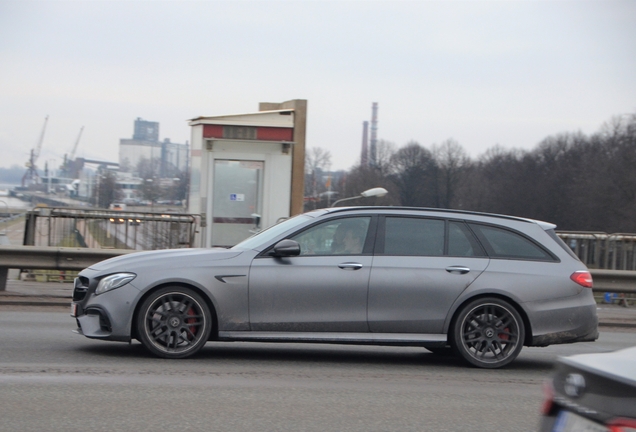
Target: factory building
{"x":164,"y":158}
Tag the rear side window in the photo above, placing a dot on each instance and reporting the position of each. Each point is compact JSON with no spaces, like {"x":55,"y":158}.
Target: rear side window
{"x":462,"y":242}
{"x":503,"y":243}
{"x":414,"y":236}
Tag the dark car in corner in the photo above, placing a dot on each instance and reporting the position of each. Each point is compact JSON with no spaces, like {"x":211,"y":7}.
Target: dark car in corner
{"x":592,"y":393}
{"x":484,"y":285}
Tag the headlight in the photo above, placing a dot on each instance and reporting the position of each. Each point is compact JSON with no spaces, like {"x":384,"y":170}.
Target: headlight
{"x":113,"y":281}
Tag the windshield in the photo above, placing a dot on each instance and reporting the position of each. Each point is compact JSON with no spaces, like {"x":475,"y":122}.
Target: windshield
{"x":264,"y":238}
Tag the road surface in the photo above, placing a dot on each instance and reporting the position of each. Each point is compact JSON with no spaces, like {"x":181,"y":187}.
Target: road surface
{"x":54,"y":380}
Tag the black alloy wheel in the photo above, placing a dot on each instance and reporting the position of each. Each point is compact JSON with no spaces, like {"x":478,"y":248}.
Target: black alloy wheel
{"x":488,"y":333}
{"x":174,"y":322}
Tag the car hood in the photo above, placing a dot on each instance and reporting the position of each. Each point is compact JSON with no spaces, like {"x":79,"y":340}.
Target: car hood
{"x":164,"y":259}
{"x":618,"y":365}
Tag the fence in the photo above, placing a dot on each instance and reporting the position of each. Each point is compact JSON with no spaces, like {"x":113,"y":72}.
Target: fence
{"x":600,"y":250}
{"x":108,"y":229}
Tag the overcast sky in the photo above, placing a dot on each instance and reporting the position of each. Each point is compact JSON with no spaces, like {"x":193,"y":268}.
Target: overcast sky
{"x":480,"y":72}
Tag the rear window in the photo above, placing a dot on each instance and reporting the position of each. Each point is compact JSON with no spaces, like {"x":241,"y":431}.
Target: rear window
{"x":503,"y":243}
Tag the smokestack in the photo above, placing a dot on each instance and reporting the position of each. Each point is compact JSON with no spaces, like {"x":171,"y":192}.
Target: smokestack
{"x":374,"y":134}
{"x":364,"y":157}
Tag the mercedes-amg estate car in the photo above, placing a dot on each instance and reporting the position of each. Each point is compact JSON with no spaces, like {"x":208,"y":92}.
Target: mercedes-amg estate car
{"x":484,"y":285}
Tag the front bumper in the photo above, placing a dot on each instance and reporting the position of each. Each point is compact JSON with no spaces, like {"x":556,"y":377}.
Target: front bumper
{"x":107,"y":316}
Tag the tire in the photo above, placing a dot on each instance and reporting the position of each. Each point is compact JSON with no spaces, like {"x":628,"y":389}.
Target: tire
{"x":488,"y":333}
{"x":174,"y":322}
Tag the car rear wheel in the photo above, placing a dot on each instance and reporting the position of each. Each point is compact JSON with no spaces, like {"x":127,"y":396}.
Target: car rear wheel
{"x":174,"y":322}
{"x":488,"y":333}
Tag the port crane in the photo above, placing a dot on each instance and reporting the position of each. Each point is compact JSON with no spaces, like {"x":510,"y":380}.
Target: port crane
{"x":31,"y":176}
{"x":69,"y":162}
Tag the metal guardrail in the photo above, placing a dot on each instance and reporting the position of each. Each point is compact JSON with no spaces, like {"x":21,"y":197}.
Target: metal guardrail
{"x":51,"y":258}
{"x":64,"y":259}
{"x":599,"y":250}
{"x":614,"y":281}
{"x":115,"y":229}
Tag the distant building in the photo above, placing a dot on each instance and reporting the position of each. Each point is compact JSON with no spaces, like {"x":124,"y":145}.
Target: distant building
{"x":128,"y":187}
{"x":163,"y":159}
{"x":146,"y":130}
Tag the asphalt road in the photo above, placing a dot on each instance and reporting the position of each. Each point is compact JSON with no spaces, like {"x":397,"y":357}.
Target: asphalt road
{"x":54,"y":380}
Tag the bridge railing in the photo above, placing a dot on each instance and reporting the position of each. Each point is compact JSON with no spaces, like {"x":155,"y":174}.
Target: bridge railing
{"x":112,"y":229}
{"x":599,"y":250}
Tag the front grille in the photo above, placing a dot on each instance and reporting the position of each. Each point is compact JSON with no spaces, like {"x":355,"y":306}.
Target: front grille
{"x":81,"y":288}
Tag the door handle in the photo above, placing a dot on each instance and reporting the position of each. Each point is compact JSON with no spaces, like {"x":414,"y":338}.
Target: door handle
{"x":350,"y":266}
{"x":458,"y":269}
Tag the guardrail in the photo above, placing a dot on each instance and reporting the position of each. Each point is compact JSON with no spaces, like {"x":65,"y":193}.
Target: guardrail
{"x":615,"y":281}
{"x":65,"y":259}
{"x":51,"y":258}
{"x":117,"y":229}
{"x":61,"y":258}
{"x":600,"y":250}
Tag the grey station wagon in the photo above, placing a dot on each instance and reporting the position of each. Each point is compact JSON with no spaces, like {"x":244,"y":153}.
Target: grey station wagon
{"x":482,"y":285}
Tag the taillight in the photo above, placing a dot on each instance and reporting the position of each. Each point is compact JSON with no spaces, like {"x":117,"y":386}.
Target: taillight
{"x":622,"y":425}
{"x":583,"y":278}
{"x":548,"y":398}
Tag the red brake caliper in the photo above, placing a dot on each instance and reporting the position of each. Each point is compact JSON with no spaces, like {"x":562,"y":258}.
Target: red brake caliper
{"x":191,"y":320}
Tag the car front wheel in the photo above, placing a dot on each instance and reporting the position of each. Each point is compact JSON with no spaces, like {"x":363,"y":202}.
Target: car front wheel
{"x":488,"y":333}
{"x":174,"y":322}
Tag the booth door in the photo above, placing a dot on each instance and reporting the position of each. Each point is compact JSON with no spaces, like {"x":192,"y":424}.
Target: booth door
{"x":237,"y":204}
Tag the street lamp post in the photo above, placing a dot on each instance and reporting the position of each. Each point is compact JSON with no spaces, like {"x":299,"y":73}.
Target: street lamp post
{"x":378,"y":191}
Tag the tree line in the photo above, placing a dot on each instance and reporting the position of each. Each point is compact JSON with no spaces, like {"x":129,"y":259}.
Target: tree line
{"x":578,"y":182}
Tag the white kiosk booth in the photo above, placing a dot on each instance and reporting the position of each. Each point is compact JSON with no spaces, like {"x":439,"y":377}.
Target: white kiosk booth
{"x":247,"y":171}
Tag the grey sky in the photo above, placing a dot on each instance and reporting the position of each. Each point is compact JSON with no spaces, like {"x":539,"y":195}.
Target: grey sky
{"x":482,"y":73}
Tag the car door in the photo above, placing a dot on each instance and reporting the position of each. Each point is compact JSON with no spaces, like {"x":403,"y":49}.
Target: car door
{"x":421,"y":266}
{"x":324,"y":289}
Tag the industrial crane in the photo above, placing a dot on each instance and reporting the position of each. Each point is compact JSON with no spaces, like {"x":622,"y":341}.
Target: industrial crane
{"x":72,"y":157}
{"x":68,"y":167}
{"x":31,"y":176}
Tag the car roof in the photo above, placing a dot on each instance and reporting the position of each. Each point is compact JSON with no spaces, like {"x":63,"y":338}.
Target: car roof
{"x":332,"y":210}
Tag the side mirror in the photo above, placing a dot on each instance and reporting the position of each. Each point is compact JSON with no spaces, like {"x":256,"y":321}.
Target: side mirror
{"x":285,"y":248}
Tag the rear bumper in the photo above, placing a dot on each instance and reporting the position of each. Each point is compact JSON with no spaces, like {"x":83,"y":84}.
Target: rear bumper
{"x":564,"y":337}
{"x":569,"y":320}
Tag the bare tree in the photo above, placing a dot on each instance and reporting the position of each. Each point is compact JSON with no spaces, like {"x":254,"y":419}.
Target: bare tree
{"x":413,"y":171}
{"x":361,"y":178}
{"x":317,"y":164}
{"x":452,"y":164}
{"x":148,"y":168}
{"x":384,"y":152}
{"x":106,"y":188}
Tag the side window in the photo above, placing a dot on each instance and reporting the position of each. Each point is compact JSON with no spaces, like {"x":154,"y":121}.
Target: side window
{"x":462,"y":242}
{"x":502,"y":243}
{"x":414,"y":236}
{"x":337,"y":237}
